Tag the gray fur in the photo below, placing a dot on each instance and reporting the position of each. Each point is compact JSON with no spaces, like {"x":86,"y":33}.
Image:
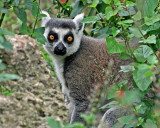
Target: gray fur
{"x":76,"y":69}
{"x":109,"y":119}
{"x":60,"y":23}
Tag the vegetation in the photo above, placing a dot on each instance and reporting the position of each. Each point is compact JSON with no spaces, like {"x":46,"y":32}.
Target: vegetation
{"x":110,"y":19}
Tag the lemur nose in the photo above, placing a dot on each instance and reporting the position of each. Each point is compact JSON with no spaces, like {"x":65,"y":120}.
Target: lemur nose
{"x":60,"y":49}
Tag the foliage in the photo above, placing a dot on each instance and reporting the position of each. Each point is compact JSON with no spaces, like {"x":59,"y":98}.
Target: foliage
{"x":110,"y":19}
{"x":5,"y":91}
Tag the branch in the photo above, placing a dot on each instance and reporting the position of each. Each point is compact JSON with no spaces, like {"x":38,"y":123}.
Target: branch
{"x":2,"y":18}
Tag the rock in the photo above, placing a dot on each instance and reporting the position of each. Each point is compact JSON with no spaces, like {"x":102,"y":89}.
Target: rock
{"x":36,"y":94}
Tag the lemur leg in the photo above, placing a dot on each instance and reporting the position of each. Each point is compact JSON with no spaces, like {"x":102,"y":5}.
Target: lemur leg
{"x":79,"y":108}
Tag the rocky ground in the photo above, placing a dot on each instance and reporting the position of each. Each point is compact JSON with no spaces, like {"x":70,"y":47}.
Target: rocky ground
{"x":36,"y":95}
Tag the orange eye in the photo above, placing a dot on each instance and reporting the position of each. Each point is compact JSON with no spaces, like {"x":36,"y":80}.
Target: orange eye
{"x":51,"y":37}
{"x":69,"y":38}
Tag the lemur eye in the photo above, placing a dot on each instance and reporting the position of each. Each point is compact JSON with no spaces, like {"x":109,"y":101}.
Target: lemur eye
{"x":69,"y":38}
{"x":51,"y":37}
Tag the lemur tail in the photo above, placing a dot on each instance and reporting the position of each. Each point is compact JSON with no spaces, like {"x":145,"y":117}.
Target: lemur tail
{"x":109,"y":119}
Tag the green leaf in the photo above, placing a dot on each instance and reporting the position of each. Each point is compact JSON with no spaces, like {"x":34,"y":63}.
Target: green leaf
{"x":103,"y":33}
{"x":112,"y":91}
{"x":130,"y":119}
{"x":146,"y":7}
{"x":130,"y":3}
{"x":88,"y":118}
{"x":118,"y":125}
{"x":141,"y":80}
{"x":142,"y":66}
{"x":150,"y":124}
{"x":5,"y":91}
{"x":100,"y":7}
{"x":107,"y":1}
{"x":77,"y":8}
{"x":90,"y":19}
{"x":137,"y":16}
{"x":21,"y":14}
{"x":4,"y":31}
{"x":151,"y":20}
{"x":125,"y":22}
{"x":28,"y":4}
{"x":137,"y":32}
{"x":153,"y":27}
{"x":110,"y":105}
{"x":41,"y":15}
{"x":109,"y":12}
{"x":35,"y":9}
{"x":113,"y":46}
{"x":138,"y":53}
{"x":122,"y":83}
{"x":125,"y":56}
{"x":16,"y":3}
{"x":141,"y":108}
{"x":53,"y":123}
{"x":40,"y":30}
{"x":6,"y":45}
{"x":149,"y":6}
{"x":6,"y":76}
{"x":131,"y":97}
{"x":124,"y":12}
{"x":76,"y":125}
{"x":142,"y":53}
{"x":117,"y":2}
{"x":40,"y":37}
{"x":23,"y":29}
{"x":152,"y":59}
{"x":150,"y":40}
{"x":115,"y":31}
{"x":147,"y":51}
{"x":94,"y":3}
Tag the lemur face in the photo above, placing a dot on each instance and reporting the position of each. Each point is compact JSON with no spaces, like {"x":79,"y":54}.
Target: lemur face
{"x":63,"y":36}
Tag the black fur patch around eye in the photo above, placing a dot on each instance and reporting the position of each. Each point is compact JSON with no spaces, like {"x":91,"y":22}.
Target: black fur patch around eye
{"x":67,"y":35}
{"x":55,"y":36}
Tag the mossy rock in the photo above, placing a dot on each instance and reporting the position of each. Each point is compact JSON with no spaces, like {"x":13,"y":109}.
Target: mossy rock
{"x":36,"y":95}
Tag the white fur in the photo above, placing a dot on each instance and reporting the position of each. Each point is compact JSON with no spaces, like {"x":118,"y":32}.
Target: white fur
{"x":59,"y":63}
{"x":45,"y":19}
{"x":78,"y":18}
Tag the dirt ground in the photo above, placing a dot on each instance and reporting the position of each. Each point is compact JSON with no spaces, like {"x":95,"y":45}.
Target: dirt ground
{"x":36,"y":95}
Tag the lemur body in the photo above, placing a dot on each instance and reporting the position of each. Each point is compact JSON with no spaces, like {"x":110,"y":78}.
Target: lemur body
{"x":80,"y":62}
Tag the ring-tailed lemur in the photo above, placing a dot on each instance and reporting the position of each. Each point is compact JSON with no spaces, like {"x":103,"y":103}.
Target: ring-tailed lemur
{"x":79,"y":63}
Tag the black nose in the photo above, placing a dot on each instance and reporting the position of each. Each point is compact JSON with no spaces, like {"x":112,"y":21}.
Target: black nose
{"x":60,"y":49}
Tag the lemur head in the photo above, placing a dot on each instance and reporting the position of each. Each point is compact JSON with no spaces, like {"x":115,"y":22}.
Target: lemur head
{"x":63,"y":35}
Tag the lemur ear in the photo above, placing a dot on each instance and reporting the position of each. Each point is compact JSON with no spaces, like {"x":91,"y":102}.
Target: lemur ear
{"x":45,"y":19}
{"x":77,"y":20}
